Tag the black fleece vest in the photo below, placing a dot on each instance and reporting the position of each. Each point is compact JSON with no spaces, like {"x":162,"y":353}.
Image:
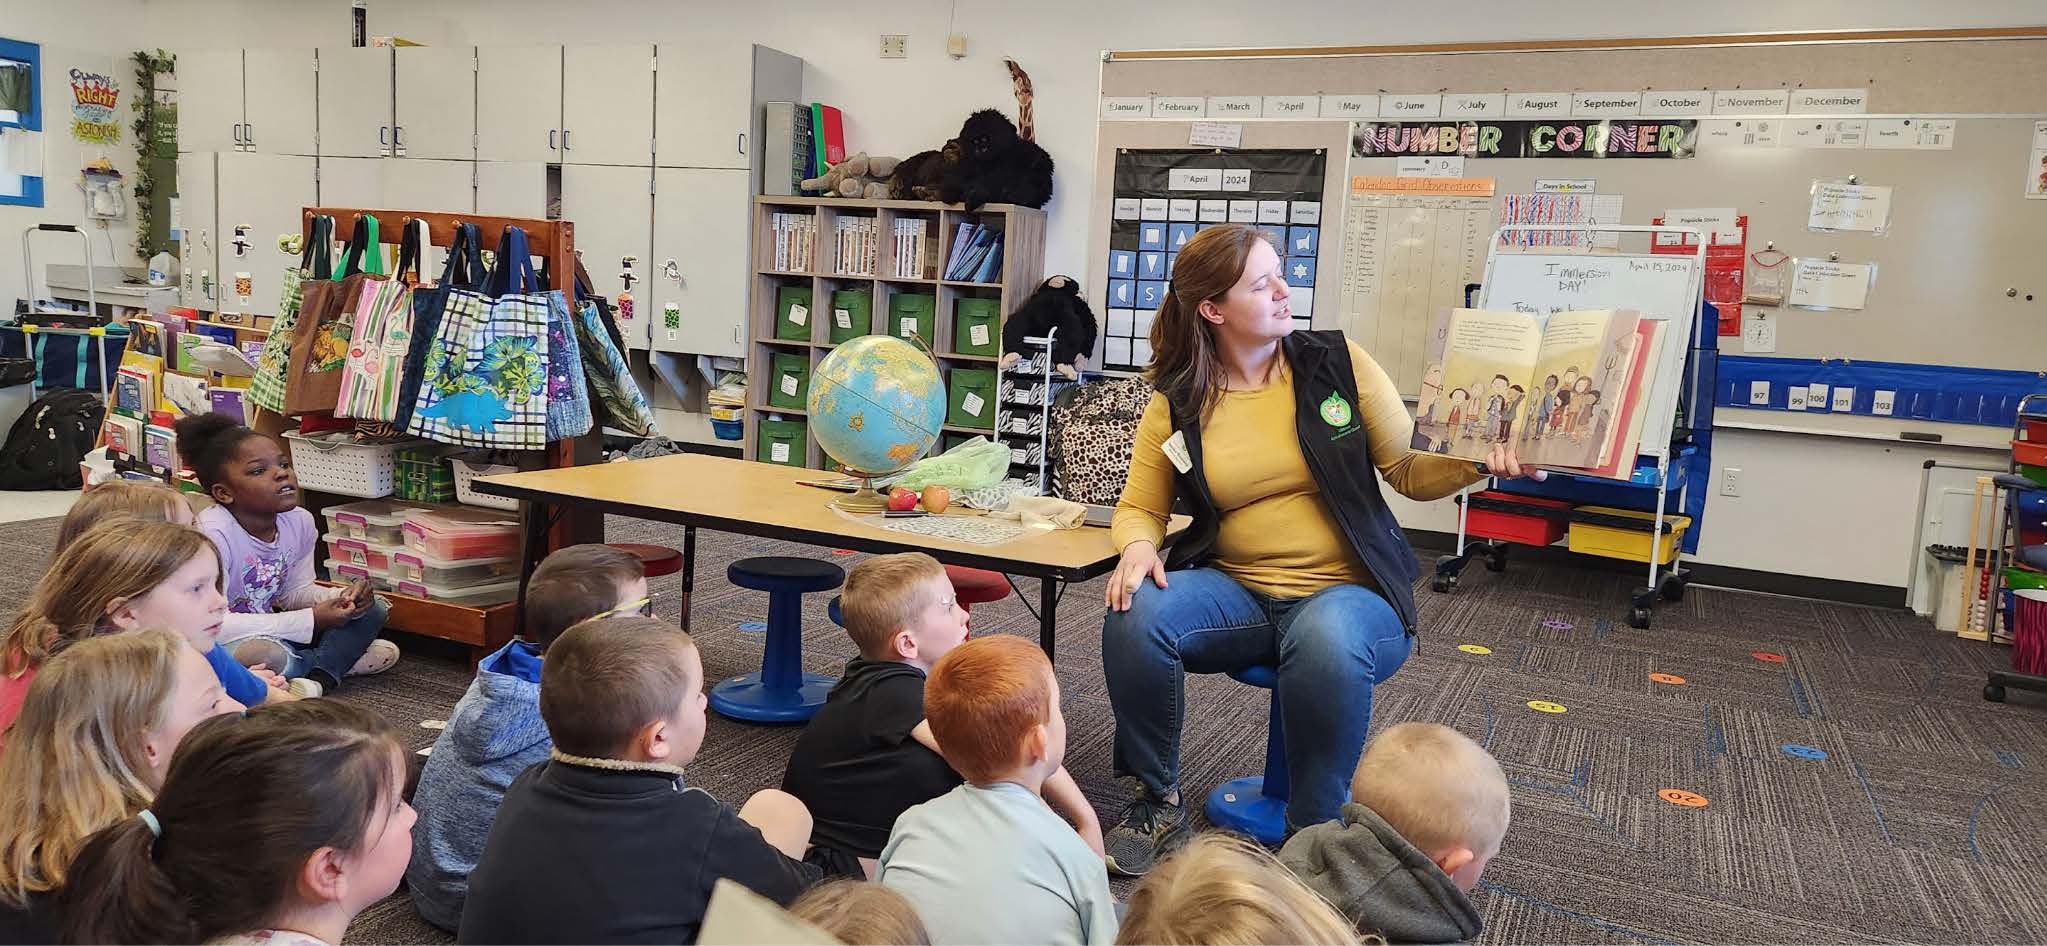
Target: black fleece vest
{"x":1339,"y":455}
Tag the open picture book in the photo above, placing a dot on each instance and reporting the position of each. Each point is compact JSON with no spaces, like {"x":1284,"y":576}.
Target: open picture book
{"x":1565,"y":389}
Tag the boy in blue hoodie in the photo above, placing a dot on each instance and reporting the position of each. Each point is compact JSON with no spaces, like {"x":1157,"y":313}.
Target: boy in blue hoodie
{"x":496,"y":731}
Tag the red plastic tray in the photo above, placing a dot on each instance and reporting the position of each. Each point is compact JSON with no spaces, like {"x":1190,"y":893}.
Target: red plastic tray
{"x":2030,"y":452}
{"x":1530,"y":528}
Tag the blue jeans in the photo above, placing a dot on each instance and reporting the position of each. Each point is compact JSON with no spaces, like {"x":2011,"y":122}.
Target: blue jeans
{"x":334,"y":650}
{"x":1330,"y":649}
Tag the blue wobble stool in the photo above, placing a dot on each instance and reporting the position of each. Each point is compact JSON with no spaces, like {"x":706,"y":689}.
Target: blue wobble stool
{"x":781,"y":692}
{"x":1256,"y":805}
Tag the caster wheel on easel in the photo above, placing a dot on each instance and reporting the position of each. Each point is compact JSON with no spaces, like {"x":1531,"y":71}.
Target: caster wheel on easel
{"x":1993,"y":692}
{"x":1638,"y":618}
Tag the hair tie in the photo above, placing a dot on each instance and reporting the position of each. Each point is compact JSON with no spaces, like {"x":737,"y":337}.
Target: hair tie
{"x":149,"y":818}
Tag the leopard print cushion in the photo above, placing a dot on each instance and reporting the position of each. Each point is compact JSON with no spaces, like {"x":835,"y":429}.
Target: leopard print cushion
{"x":1093,"y":427}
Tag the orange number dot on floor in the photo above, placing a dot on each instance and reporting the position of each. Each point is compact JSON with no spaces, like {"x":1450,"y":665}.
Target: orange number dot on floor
{"x":1479,"y":649}
{"x":1670,"y":678}
{"x":1767,"y":657}
{"x":1545,"y":706}
{"x":1678,"y":796}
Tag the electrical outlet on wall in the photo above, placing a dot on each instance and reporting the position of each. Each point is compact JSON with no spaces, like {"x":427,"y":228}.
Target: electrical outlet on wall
{"x":1730,"y":481}
{"x":895,"y":46}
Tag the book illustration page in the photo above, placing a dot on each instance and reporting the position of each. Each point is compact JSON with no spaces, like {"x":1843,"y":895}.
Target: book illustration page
{"x":1486,"y":356}
{"x":1570,"y":412}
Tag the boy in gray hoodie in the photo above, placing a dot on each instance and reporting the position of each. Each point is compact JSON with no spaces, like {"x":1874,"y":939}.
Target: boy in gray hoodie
{"x":1428,"y":810}
{"x":496,"y":731}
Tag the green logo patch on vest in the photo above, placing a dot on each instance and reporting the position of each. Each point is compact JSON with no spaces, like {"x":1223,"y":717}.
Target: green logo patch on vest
{"x":1336,"y":410}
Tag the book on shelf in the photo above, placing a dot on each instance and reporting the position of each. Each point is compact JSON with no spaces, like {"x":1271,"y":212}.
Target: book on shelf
{"x":786,"y":156}
{"x":1564,"y":389}
{"x":794,"y":235}
{"x":981,"y":253}
{"x":827,"y":129}
{"x":858,"y":245}
{"x":912,"y":248}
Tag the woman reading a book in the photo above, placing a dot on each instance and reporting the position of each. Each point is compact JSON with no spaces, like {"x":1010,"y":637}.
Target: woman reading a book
{"x":1271,"y":437}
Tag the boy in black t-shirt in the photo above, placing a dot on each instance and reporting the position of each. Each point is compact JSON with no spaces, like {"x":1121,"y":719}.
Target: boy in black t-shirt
{"x":603,"y":842}
{"x":868,"y":755}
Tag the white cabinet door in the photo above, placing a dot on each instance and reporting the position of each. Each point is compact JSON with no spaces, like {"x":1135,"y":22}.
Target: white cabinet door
{"x":705,"y":95}
{"x":265,"y":193}
{"x":209,"y":100}
{"x":349,"y":182}
{"x":280,"y":101}
{"x":701,"y":221}
{"x":612,"y":210}
{"x":511,"y":188}
{"x":437,"y":102}
{"x":199,"y":236}
{"x":518,"y":103}
{"x":439,"y":186}
{"x":355,"y":102}
{"x":608,"y":105}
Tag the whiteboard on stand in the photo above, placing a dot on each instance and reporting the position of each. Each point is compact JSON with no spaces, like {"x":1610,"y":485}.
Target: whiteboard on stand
{"x":1659,"y":286}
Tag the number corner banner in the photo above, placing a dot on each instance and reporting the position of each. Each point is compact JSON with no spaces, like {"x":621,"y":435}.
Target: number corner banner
{"x":1542,"y":138}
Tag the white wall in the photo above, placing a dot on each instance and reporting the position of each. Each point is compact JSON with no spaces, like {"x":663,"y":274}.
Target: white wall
{"x":1811,"y":506}
{"x":100,"y":42}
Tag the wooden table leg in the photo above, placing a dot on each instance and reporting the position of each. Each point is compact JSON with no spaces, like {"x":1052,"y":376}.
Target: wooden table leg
{"x":532,"y":548}
{"x":1048,"y":620}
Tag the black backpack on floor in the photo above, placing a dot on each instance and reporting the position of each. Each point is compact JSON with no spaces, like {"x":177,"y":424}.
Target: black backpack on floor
{"x":49,"y":439}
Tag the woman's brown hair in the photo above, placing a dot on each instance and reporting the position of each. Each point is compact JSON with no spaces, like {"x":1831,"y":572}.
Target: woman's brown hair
{"x":74,"y":761}
{"x":114,"y":561}
{"x":132,"y":499}
{"x":862,"y":913}
{"x":248,"y":798}
{"x":1185,"y":365}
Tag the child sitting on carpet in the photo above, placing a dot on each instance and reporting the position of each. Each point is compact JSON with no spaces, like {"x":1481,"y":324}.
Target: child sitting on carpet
{"x":496,"y":732}
{"x":1428,"y":810}
{"x":312,"y":636}
{"x":861,"y":913}
{"x":869,"y":755}
{"x":276,"y":826}
{"x":121,"y":576}
{"x":1222,"y":888}
{"x":603,"y":843}
{"x":95,"y":736}
{"x":988,"y":862}
{"x":132,"y":499}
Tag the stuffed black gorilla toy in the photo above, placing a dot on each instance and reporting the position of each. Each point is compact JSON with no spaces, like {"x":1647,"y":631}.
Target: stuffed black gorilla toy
{"x":1056,"y":303}
{"x":996,"y":166}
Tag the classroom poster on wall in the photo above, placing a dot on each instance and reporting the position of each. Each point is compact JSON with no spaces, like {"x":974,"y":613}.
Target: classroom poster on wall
{"x":1164,"y":197}
{"x":1563,"y":138}
{"x":2036,"y":165}
{"x":94,"y":96}
{"x":1411,"y":247}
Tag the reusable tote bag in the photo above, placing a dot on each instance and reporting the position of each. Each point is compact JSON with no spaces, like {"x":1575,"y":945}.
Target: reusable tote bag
{"x":485,"y":379}
{"x":615,"y":393}
{"x":326,"y":324}
{"x":568,"y":392}
{"x":266,"y":389}
{"x":383,"y":335}
{"x":463,"y":271}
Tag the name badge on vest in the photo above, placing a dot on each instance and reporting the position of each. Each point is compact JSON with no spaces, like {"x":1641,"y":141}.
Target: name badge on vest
{"x":1175,"y":449}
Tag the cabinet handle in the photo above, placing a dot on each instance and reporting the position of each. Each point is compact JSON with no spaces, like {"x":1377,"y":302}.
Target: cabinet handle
{"x":384,"y":135}
{"x":249,"y":135}
{"x":237,"y":132}
{"x":550,"y":140}
{"x":565,"y":139}
{"x":742,"y":142}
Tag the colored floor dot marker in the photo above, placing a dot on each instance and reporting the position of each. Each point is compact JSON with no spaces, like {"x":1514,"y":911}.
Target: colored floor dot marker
{"x":1479,"y":649}
{"x":1678,"y":796}
{"x":1669,"y":678}
{"x":435,"y":724}
{"x":1767,"y":657}
{"x":843,"y":552}
{"x":1545,"y":706}
{"x":753,"y":627}
{"x":1804,"y":752}
{"x":1558,"y":624}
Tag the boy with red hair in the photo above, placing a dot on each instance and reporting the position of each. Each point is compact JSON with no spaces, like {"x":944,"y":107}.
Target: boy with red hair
{"x":993,"y":703}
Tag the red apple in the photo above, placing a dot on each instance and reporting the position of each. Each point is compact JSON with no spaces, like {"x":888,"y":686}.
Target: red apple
{"x":936,"y":498}
{"x":901,"y":499}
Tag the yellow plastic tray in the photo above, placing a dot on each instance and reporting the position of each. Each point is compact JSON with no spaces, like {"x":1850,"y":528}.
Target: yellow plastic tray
{"x":1630,"y":544}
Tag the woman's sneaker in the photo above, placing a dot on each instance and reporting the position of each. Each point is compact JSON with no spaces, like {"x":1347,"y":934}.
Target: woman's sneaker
{"x":1146,"y":830}
{"x":382,"y":656}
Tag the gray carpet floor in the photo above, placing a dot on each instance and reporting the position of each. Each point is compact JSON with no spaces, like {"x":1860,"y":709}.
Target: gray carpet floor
{"x":1909,"y":810}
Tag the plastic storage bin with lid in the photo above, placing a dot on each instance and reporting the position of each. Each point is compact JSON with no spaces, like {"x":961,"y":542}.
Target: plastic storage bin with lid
{"x":416,"y":566}
{"x":378,"y":521}
{"x":463,"y":534}
{"x":360,"y":553}
{"x":346,"y":573}
{"x":473,"y":596}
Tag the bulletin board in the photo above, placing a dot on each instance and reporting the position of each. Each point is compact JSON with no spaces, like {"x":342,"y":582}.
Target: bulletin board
{"x":1958,"y":281}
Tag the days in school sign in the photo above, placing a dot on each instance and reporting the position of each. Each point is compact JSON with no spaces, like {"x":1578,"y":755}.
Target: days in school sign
{"x":1545,"y":138}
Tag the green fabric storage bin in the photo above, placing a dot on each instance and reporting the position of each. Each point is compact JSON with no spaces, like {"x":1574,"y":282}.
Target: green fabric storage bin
{"x":789,"y":381}
{"x":780,"y":441}
{"x":954,"y":440}
{"x":976,"y":326}
{"x":792,"y":313}
{"x":852,"y":314}
{"x":908,"y":311}
{"x":971,"y":398}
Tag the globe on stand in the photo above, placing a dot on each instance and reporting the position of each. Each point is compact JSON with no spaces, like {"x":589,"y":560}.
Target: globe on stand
{"x":876,"y":405}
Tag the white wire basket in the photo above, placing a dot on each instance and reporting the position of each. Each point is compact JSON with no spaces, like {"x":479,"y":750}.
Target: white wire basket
{"x":465,"y":490}
{"x":366,"y":470}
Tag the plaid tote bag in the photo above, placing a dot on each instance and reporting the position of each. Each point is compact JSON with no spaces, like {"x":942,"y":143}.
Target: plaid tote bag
{"x":484,"y":382}
{"x":266,"y":388}
{"x":463,"y":271}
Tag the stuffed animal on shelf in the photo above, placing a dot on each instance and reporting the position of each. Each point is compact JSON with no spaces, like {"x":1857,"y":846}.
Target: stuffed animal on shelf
{"x":861,"y":175}
{"x":1055,"y":304}
{"x":997,"y":166}
{"x":919,"y":175}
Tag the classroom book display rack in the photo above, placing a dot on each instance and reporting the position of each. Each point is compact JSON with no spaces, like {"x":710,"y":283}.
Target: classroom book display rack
{"x":1632,"y":519}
